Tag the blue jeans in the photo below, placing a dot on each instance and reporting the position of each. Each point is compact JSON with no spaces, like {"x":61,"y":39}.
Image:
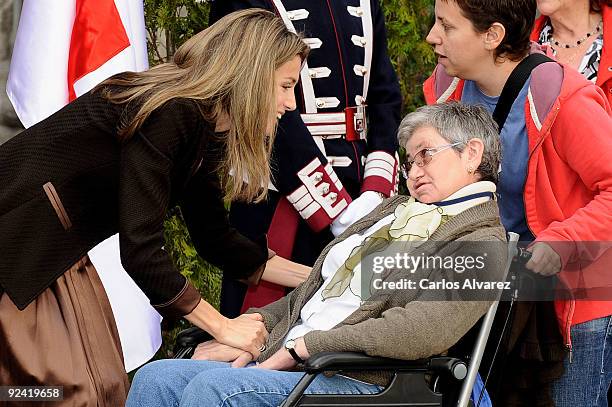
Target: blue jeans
{"x":191,"y":383}
{"x":587,"y":378}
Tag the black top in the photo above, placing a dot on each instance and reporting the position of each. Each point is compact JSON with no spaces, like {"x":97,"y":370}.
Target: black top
{"x":108,"y":187}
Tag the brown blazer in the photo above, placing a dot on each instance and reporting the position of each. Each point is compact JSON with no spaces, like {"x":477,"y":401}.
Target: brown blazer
{"x":67,"y":184}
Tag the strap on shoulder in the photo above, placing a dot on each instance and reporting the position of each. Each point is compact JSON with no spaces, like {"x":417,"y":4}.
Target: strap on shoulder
{"x":514,"y":84}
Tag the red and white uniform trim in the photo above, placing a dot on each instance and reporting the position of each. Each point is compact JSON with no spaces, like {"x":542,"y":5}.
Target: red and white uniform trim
{"x":321,"y":198}
{"x":380,"y":173}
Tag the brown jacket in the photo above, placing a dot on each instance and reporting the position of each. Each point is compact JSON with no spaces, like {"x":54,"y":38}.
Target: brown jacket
{"x":68,"y":184}
{"x":395,"y":324}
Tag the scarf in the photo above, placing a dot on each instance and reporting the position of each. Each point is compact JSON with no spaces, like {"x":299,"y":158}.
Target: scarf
{"x":413,"y":221}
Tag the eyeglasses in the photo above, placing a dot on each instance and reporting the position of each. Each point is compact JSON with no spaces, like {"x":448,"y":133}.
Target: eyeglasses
{"x":424,"y":157}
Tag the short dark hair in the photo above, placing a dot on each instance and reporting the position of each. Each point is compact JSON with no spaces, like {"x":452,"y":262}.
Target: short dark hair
{"x":596,"y":5}
{"x":517,"y":17}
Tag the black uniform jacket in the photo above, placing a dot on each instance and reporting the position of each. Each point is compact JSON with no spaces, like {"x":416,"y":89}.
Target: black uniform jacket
{"x":67,"y":183}
{"x":334,"y":30}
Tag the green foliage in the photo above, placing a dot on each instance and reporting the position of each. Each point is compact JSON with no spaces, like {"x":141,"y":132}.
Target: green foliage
{"x":408,"y":22}
{"x":204,"y":276}
{"x":170,"y":23}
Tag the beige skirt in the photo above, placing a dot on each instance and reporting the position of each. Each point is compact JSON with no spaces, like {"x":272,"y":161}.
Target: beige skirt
{"x":66,"y":337}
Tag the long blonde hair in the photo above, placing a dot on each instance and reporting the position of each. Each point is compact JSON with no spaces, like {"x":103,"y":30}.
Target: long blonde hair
{"x":229,"y":68}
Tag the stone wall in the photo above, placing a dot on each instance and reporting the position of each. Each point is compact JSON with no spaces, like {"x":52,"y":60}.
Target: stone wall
{"x":9,"y":14}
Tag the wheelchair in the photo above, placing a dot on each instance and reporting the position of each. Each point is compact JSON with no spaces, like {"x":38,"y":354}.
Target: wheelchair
{"x":436,"y":381}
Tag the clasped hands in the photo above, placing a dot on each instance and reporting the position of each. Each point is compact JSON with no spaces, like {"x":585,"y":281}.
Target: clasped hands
{"x":281,"y":360}
{"x":246,"y":333}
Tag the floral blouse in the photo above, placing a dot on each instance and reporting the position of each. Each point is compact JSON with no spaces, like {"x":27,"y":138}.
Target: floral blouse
{"x":590,"y":63}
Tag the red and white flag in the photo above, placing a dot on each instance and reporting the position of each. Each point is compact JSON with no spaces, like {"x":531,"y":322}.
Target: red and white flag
{"x":63,"y":49}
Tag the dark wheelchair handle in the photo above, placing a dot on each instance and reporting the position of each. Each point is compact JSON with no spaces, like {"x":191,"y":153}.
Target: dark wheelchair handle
{"x":521,"y":257}
{"x":519,"y":261}
{"x":192,"y":337}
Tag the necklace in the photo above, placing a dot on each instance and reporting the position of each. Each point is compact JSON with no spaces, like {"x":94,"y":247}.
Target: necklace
{"x":580,"y":41}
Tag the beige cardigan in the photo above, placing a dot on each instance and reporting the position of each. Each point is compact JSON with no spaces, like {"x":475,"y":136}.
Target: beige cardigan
{"x":394,"y":325}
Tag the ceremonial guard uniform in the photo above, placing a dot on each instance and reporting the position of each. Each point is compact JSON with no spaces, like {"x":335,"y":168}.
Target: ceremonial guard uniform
{"x":327,"y":153}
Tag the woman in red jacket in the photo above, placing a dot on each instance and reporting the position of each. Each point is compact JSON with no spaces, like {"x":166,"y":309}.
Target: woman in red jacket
{"x":555,"y":186}
{"x":579,"y":33}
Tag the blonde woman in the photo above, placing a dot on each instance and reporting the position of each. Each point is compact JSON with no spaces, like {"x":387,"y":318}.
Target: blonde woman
{"x":115,"y":160}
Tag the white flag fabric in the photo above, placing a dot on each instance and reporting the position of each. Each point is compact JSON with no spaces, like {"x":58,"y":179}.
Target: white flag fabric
{"x":62,"y":50}
{"x":37,"y":80}
{"x":137,"y":322}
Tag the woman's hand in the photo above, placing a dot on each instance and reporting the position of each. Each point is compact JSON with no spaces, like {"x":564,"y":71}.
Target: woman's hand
{"x":544,"y":260}
{"x":213,"y":350}
{"x":247,"y":332}
{"x":282,"y":359}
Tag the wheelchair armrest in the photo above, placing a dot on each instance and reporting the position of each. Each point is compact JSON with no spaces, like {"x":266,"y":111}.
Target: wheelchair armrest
{"x":192,"y":337}
{"x":351,"y":361}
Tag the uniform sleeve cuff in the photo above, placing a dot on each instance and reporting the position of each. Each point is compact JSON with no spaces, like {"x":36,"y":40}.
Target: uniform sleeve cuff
{"x":321,"y":197}
{"x":322,"y":219}
{"x":378,"y":184}
{"x":380,"y":173}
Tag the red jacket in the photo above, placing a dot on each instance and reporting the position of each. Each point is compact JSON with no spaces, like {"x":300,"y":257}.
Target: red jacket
{"x":568,"y":190}
{"x":604,"y":73}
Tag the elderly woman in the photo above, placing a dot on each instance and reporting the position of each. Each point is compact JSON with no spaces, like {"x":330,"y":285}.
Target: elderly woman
{"x":452,"y":161}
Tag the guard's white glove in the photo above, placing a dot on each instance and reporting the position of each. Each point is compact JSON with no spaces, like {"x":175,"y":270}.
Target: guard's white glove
{"x":356,"y":210}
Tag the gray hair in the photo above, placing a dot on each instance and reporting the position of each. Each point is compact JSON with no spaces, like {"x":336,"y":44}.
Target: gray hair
{"x":458,"y":122}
